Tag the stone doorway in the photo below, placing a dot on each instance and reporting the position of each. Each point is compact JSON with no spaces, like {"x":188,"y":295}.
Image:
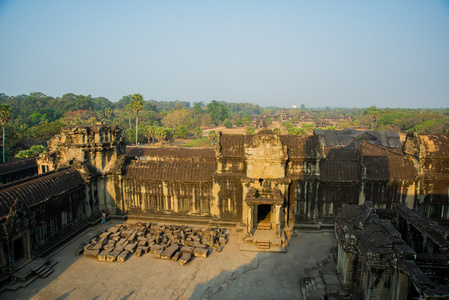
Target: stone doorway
{"x":20,"y":250}
{"x":264,"y":217}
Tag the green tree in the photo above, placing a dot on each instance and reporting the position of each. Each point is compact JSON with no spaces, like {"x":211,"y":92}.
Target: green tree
{"x":198,"y":132}
{"x":128,"y":111}
{"x":308,"y":127}
{"x":212,"y":137}
{"x":246,"y":120}
{"x":250,"y":130}
{"x":218,"y":112}
{"x":181,"y":132}
{"x":150,"y":132}
{"x":296,"y":131}
{"x":269,"y":121}
{"x":108,"y":112}
{"x":5,"y":115}
{"x":32,"y":152}
{"x":238,"y":122}
{"x":161,"y":134}
{"x":277,"y":130}
{"x":227,"y":123}
{"x":137,"y":104}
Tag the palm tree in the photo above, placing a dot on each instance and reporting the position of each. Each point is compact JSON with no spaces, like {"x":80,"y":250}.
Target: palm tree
{"x":108,"y":112}
{"x":150,"y":132}
{"x":212,"y":136}
{"x":161,"y":134}
{"x":5,"y":114}
{"x":137,"y":104}
{"x":128,"y":111}
{"x":198,"y":133}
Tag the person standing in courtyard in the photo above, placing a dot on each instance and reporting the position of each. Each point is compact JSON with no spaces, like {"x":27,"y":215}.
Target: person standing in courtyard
{"x":103,"y":218}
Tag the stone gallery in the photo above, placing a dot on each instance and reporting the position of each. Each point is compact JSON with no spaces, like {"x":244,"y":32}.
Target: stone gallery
{"x":264,"y":183}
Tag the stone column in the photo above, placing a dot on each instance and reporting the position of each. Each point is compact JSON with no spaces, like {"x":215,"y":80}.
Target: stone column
{"x":278,"y":220}
{"x":250,"y":221}
{"x":215,"y":205}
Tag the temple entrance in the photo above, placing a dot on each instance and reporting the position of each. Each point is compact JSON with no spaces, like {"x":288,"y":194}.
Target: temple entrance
{"x":264,"y":217}
{"x":20,"y":249}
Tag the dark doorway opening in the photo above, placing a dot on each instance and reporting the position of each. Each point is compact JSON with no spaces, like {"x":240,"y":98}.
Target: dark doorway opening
{"x":20,"y":249}
{"x":264,"y":217}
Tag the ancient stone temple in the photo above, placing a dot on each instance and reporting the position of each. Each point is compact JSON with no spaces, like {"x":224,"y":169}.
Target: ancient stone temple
{"x":262,"y":183}
{"x":392,"y":254}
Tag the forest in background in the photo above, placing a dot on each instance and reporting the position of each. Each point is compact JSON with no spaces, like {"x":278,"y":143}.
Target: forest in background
{"x":35,"y":118}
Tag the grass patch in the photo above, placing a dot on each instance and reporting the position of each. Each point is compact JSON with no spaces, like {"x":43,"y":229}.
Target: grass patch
{"x":204,"y":142}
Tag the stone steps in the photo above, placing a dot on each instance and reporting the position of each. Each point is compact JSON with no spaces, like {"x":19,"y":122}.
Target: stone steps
{"x":263,"y":244}
{"x":264,"y":226}
{"x":43,"y":271}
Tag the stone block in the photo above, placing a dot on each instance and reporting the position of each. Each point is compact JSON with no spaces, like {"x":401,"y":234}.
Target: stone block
{"x":114,"y":229}
{"x":112,"y":256}
{"x":102,"y":256}
{"x":197,"y":245}
{"x":144,"y":249}
{"x":131,"y":248}
{"x":138,"y":252}
{"x":176,"y":256}
{"x":200,"y":252}
{"x":105,"y":235}
{"x":170,"y":251}
{"x":158,"y":253}
{"x":185,"y":258}
{"x":187,"y":249}
{"x":123,"y":256}
{"x":80,"y":249}
{"x":119,"y":248}
{"x":91,"y":252}
{"x":126,"y":233}
{"x":222,"y":241}
{"x":98,"y":247}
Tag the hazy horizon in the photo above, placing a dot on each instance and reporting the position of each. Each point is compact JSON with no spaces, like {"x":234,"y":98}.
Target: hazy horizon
{"x":348,"y":54}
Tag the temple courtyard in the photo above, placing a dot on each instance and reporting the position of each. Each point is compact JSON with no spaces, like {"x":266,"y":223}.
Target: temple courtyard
{"x":229,"y":274}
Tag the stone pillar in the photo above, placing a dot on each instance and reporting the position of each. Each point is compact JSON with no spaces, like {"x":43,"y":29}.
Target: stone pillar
{"x":401,"y":286}
{"x":215,"y":205}
{"x":250,"y":221}
{"x":278,"y":220}
{"x":409,"y":200}
{"x":142,"y":196}
{"x":362,"y":194}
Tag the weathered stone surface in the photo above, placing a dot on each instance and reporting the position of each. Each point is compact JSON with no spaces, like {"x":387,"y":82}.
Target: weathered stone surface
{"x":112,"y":256}
{"x":187,"y":249}
{"x":158,"y":253}
{"x":123,"y":256}
{"x":199,"y":246}
{"x":185,"y":258}
{"x":102,"y":256}
{"x":170,"y":251}
{"x":176,"y":256}
{"x":200,"y":252}
{"x":91,"y":252}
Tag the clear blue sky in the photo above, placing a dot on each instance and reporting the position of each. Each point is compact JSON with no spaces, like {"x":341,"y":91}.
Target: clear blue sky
{"x":272,"y":53}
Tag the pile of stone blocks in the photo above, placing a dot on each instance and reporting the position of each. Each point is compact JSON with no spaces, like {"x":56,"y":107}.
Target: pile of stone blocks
{"x":169,"y":242}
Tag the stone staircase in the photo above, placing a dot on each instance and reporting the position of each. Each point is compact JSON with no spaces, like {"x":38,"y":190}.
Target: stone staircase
{"x":37,"y":268}
{"x":263,"y":244}
{"x":43,"y":271}
{"x":264,"y":225}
